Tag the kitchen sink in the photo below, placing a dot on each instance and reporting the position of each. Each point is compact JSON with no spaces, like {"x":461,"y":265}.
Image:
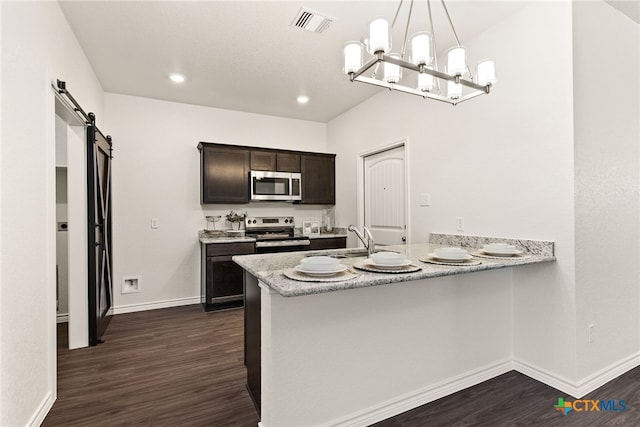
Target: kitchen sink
{"x":351,"y":254}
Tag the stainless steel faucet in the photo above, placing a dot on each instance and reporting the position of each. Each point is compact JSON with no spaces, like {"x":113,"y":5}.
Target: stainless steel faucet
{"x":369,"y":242}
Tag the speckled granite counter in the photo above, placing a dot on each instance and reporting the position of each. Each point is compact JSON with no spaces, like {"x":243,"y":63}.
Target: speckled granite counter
{"x":325,"y":235}
{"x":269,"y":268}
{"x":207,"y":239}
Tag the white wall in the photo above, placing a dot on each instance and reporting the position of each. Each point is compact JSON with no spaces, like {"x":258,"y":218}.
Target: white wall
{"x":507,"y":159}
{"x":156,"y":174}
{"x":358,"y":356}
{"x":37,"y":47}
{"x":607,"y":186}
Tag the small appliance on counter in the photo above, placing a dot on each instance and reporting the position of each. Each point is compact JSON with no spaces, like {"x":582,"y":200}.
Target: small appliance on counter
{"x":328,"y":219}
{"x":210,"y":229}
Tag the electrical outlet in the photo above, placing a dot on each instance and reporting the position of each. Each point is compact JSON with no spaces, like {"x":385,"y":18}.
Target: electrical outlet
{"x":460,"y":223}
{"x":155,"y":223}
{"x":590,"y":332}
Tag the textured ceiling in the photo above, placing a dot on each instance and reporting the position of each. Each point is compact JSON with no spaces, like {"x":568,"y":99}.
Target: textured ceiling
{"x":244,"y":55}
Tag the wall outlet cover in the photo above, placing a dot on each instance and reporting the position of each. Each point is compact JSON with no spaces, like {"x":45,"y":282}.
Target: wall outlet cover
{"x":131,"y":284}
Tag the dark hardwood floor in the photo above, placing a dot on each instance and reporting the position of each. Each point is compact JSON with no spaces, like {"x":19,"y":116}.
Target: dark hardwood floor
{"x":171,"y":367}
{"x":183,"y":367}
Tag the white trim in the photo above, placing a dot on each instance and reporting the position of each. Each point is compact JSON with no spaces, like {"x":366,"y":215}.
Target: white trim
{"x":62,"y":318}
{"x":403,"y":142}
{"x":422,"y":396}
{"x":584,"y":386}
{"x":43,"y":409}
{"x":436,"y":391}
{"x":50,"y":257}
{"x":603,"y":376}
{"x":546,"y":377}
{"x":131,"y":308}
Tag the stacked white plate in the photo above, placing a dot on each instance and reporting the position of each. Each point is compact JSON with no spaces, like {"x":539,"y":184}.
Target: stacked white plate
{"x":451,"y":254}
{"x":388,"y":260}
{"x":320,"y":266}
{"x":500,"y":249}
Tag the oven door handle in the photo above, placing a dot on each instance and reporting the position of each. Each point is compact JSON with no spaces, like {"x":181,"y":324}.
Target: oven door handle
{"x":272,"y":244}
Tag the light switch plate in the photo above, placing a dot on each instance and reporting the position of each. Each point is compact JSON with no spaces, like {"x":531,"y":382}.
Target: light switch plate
{"x":155,"y":223}
{"x":425,"y":199}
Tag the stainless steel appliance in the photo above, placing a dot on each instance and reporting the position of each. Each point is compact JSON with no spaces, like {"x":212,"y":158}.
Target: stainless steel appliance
{"x":275,"y":234}
{"x":275,"y":186}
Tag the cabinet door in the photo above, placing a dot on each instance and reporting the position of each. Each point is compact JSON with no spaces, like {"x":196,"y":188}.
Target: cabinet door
{"x":224,"y":279}
{"x":288,"y":162}
{"x":225,"y":175}
{"x":263,"y":161}
{"x":318,"y":179}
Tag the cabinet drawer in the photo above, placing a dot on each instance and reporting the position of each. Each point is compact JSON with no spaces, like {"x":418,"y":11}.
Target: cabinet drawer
{"x":222,"y":249}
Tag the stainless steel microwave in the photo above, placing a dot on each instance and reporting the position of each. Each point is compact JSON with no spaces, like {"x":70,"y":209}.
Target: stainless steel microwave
{"x":275,"y":186}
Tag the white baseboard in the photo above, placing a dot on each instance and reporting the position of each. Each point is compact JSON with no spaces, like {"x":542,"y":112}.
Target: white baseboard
{"x":546,"y":377}
{"x":43,"y":409}
{"x":422,"y":396}
{"x":62,"y":318}
{"x":130,"y":308}
{"x":603,"y":376}
{"x":584,"y":386}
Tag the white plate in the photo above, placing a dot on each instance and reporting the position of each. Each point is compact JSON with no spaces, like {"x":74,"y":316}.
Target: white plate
{"x":404,"y":263}
{"x":452,"y":258}
{"x":339,"y":269}
{"x":501,"y":253}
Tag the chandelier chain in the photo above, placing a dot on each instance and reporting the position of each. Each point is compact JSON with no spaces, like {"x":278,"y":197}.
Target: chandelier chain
{"x":406,"y":31}
{"x":393,"y":23}
{"x":451,"y":23}
{"x":433,"y":40}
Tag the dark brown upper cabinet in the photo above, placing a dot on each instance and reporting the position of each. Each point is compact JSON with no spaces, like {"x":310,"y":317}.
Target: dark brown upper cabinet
{"x":288,"y":162}
{"x":318,"y":179}
{"x":224,"y":174}
{"x":275,"y":161}
{"x":263,"y":160}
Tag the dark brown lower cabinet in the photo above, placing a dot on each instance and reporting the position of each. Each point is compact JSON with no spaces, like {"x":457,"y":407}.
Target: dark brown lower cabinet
{"x":222,"y":279}
{"x":252,"y":344}
{"x":328,"y":243}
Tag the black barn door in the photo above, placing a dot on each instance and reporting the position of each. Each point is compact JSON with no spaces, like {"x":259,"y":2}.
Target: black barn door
{"x":99,"y":215}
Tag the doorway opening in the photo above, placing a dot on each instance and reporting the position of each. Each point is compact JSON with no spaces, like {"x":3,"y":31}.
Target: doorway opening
{"x":382,"y":193}
{"x":71,"y":228}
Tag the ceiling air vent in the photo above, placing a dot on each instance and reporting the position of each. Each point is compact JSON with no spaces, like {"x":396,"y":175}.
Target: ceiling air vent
{"x":309,"y":20}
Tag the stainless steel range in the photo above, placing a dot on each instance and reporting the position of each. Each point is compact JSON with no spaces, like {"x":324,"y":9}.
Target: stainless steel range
{"x":275,"y":234}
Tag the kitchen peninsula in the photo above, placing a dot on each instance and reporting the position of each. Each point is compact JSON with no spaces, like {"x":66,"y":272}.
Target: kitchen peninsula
{"x":362,"y":350}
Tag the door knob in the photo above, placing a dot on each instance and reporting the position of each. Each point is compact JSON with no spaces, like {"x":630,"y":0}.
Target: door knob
{"x":404,"y":238}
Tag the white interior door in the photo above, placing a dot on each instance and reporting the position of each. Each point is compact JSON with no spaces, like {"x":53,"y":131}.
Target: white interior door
{"x":385,"y":196}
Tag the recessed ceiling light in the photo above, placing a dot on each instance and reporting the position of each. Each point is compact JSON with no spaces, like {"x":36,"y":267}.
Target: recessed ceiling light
{"x":176,"y":78}
{"x":303,"y":99}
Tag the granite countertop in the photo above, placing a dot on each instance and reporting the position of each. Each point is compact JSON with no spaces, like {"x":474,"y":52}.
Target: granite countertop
{"x":269,"y":268}
{"x":222,"y":238}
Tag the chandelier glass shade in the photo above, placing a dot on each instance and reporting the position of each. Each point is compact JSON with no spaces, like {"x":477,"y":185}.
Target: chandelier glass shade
{"x":422,"y":62}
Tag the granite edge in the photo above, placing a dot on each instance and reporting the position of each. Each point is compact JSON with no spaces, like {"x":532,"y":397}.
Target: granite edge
{"x":528,"y":246}
{"x":269,"y":269}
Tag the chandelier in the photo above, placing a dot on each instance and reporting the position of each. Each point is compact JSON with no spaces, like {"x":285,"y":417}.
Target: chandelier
{"x":423,"y":63}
